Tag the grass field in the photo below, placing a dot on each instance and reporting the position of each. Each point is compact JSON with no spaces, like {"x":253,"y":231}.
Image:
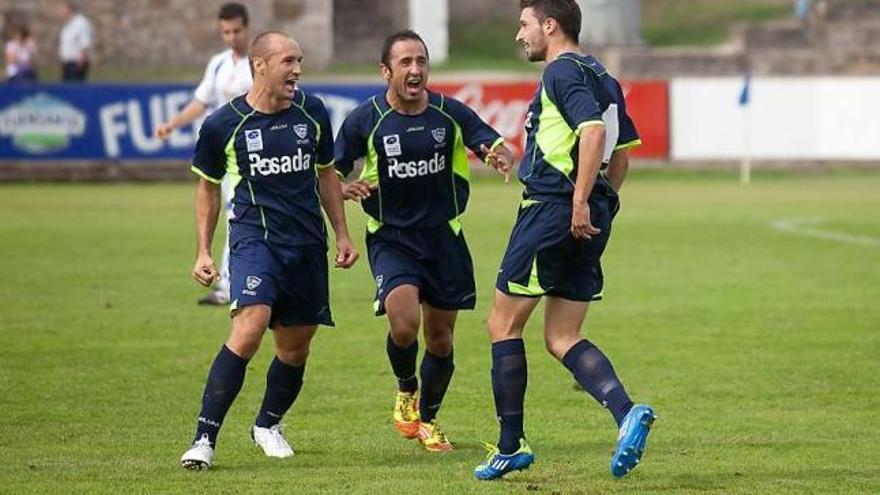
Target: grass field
{"x":758,"y":348}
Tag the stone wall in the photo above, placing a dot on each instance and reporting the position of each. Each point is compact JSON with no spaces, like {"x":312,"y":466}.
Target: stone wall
{"x":362,"y":25}
{"x":174,"y":33}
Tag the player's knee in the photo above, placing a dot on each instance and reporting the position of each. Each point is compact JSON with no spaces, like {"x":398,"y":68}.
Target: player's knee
{"x":439,"y":344}
{"x":558,"y":345}
{"x":293,"y":357}
{"x":243,"y":346}
{"x":404,"y":335}
{"x":503,"y":328}
{"x":404,"y":326}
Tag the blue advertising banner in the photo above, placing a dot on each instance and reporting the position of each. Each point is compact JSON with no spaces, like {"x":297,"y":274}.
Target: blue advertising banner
{"x":118,"y":122}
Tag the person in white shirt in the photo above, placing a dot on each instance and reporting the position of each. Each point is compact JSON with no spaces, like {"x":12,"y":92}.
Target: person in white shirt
{"x":20,"y":54}
{"x":228,"y":75}
{"x":75,"y":43}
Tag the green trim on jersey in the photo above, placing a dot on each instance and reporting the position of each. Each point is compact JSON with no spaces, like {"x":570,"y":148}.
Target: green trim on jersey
{"x":460,"y":165}
{"x":370,"y":173}
{"x":631,"y":144}
{"x":232,"y":166}
{"x":203,"y":175}
{"x":554,"y":135}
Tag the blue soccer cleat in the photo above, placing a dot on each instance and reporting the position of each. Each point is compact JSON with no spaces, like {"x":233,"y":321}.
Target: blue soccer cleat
{"x":631,"y":441}
{"x":497,"y":464}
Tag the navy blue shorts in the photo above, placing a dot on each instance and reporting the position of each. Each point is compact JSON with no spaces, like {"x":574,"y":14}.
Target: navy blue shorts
{"x":542,"y":256}
{"x":435,"y":260}
{"x":292,"y":281}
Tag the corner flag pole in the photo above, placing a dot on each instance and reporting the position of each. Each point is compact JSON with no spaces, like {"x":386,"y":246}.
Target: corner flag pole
{"x":745,"y":167}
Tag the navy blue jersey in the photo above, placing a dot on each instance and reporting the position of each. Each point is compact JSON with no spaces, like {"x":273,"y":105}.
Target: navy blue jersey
{"x":418,"y":161}
{"x":575,"y":92}
{"x":273,"y":160}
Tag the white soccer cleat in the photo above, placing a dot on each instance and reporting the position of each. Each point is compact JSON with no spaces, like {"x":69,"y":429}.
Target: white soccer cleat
{"x":199,"y":456}
{"x":271,"y":441}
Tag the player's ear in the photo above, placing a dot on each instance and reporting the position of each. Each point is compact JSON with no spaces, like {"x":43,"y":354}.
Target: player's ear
{"x":550,"y":25}
{"x":258,"y":65}
{"x":386,"y":72}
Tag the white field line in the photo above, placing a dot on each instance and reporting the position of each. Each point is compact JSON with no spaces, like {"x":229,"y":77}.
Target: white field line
{"x":808,"y":227}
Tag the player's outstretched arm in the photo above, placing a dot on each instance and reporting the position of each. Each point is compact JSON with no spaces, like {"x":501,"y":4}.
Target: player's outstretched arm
{"x":330,"y":190}
{"x":618,"y":168}
{"x":193,"y":110}
{"x":590,"y":149}
{"x":207,"y":210}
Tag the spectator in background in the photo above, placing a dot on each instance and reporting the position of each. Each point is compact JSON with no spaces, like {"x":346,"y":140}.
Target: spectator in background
{"x":228,"y":75}
{"x":20,"y":56}
{"x":75,"y":43}
{"x":802,"y":10}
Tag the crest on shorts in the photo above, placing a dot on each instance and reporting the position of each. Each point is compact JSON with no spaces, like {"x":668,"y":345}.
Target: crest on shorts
{"x":301,"y":130}
{"x":439,"y":134}
{"x":253,"y":282}
{"x":379,"y":280}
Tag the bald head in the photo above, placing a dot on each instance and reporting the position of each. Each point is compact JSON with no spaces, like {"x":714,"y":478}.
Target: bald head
{"x":269,"y":42}
{"x":275,"y":60}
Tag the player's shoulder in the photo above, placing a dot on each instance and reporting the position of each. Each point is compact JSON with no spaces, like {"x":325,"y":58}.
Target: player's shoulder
{"x":309,"y":102}
{"x":367,"y":111}
{"x":219,"y":58}
{"x":570,"y":66}
{"x":228,"y":115}
{"x":449,"y":105}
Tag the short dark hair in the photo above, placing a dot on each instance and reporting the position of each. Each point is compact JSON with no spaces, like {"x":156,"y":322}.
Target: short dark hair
{"x":406,"y":34}
{"x":232,"y":10}
{"x":566,"y":12}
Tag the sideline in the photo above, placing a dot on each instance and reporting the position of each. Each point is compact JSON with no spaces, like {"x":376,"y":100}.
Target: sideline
{"x":807,"y":227}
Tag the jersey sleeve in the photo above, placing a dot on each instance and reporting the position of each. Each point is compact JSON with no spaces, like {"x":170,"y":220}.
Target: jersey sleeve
{"x":572,"y":94}
{"x":351,"y":141}
{"x":210,"y":158}
{"x":325,"y":143}
{"x":475,"y":131}
{"x":629,"y":136}
{"x":205,"y":90}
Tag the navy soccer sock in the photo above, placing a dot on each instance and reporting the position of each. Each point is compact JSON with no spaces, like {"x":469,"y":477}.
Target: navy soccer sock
{"x":403,"y":363}
{"x":436,"y":373}
{"x":593,"y":371}
{"x":223,"y":384}
{"x":509,"y":379}
{"x":283,"y":383}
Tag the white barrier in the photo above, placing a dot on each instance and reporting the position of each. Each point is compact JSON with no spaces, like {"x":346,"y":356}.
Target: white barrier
{"x":821,"y":118}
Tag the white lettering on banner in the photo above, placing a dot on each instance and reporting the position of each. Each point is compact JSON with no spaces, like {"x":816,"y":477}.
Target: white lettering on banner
{"x":279,"y":164}
{"x":182,"y":137}
{"x":416,"y":168}
{"x":142,"y":141}
{"x":504,"y":117}
{"x":121,"y":120}
{"x":111,"y":127}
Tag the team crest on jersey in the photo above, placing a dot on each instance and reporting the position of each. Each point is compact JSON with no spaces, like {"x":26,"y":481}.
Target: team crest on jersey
{"x":439,"y":134}
{"x":301,"y":130}
{"x":253,"y":282}
{"x":254,"y":139}
{"x":392,"y":145}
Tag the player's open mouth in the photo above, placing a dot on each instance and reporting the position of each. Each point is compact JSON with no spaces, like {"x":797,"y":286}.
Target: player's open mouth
{"x":290,"y":84}
{"x":414,"y":84}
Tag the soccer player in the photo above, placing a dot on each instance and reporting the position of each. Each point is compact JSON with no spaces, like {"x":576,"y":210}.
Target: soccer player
{"x":228,"y":75}
{"x":575,"y":162}
{"x":276,"y":143}
{"x":414,"y":190}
